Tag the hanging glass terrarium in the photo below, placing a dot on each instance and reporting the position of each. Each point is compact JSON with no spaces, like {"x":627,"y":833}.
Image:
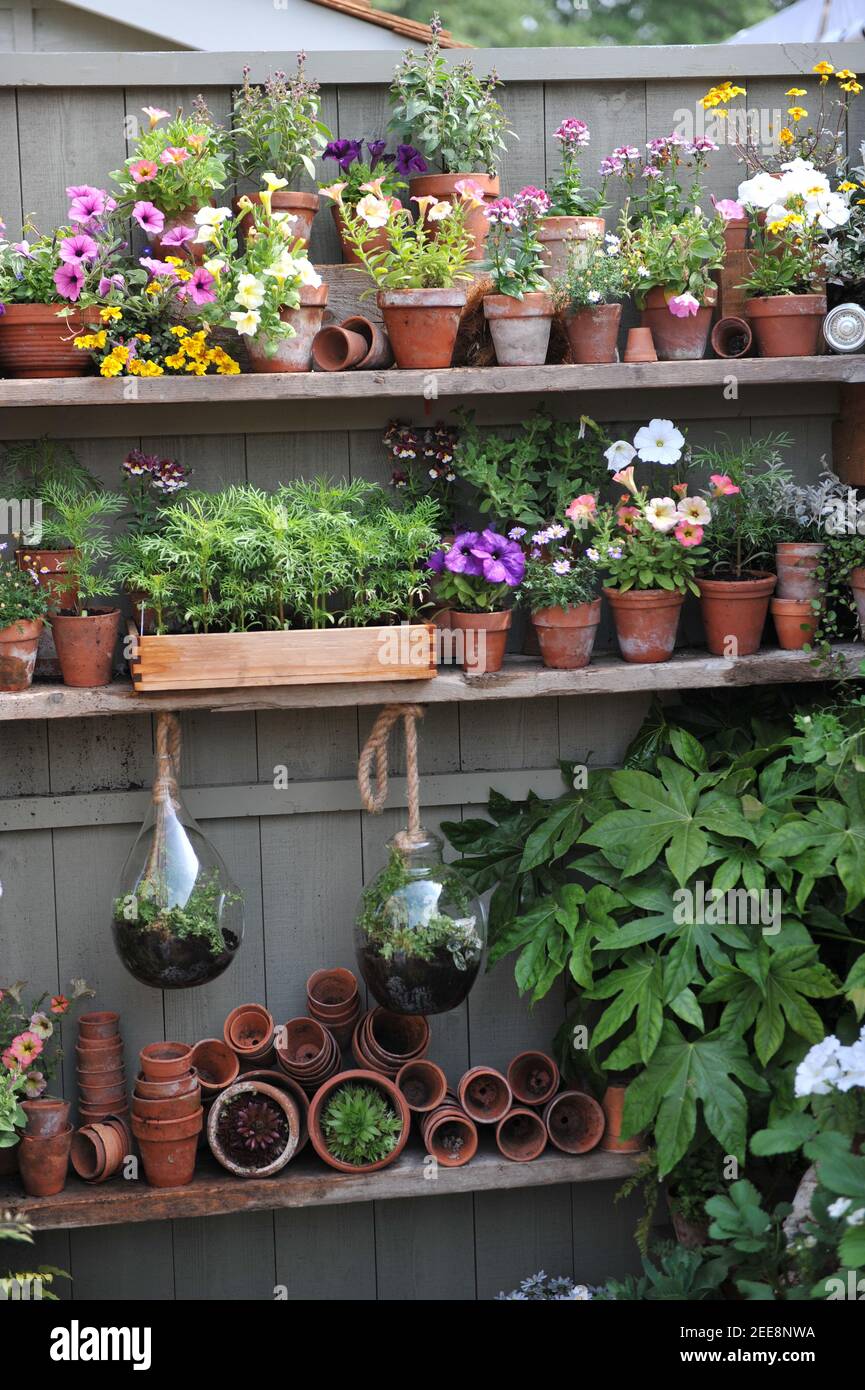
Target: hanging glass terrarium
{"x":177,"y":916}
{"x":420,"y":932}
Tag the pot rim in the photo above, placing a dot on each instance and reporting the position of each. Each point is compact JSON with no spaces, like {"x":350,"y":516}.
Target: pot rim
{"x":760,"y":584}
{"x":535,"y":304}
{"x":369,"y":1078}
{"x":23,"y":630}
{"x":557,"y":616}
{"x":777,"y":305}
{"x":645,"y":598}
{"x":453,"y":298}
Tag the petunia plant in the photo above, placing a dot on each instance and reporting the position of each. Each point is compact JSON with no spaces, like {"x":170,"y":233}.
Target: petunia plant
{"x":72,"y":266}
{"x":277,"y":125}
{"x":560,"y":569}
{"x":178,"y":165}
{"x":479,"y":572}
{"x":790,"y":216}
{"x":677,"y":256}
{"x":430,"y":252}
{"x":568,"y":197}
{"x":514,"y":256}
{"x":356,"y":168}
{"x":29,"y":1037}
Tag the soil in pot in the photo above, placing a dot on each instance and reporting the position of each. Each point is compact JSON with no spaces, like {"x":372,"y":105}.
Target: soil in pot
{"x":253,"y":1128}
{"x":85,"y":646}
{"x":520,"y":328}
{"x":675,"y":339}
{"x":593,"y":333}
{"x":423,"y":1084}
{"x":734,"y":612}
{"x":422,"y":325}
{"x":567,"y":635}
{"x":796,"y":562}
{"x":575,"y":1122}
{"x":787,"y":325}
{"x":485,"y":637}
{"x":151,"y":955}
{"x":19,"y":644}
{"x":484,"y":1095}
{"x":795,"y":622}
{"x":521,"y":1136}
{"x":646,"y":622}
{"x":293,"y":354}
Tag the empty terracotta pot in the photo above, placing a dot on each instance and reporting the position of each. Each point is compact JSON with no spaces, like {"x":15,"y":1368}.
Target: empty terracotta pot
{"x":249,"y":1030}
{"x":533,"y":1077}
{"x":423,"y":1084}
{"x":98,"y":1025}
{"x":46,"y":1116}
{"x":521,"y":1135}
{"x":485,"y":637}
{"x":168,"y":1148}
{"x":172,"y":1086}
{"x":613,"y":1104}
{"x":336,"y":349}
{"x":484,"y":1094}
{"x":640,"y":346}
{"x":87,"y":1154}
{"x":215,"y":1063}
{"x":646,"y":622}
{"x":731,"y":337}
{"x":169,"y":1109}
{"x":165,"y":1061}
{"x":394,"y":1039}
{"x":44,"y":1162}
{"x":593,"y":333}
{"x":365,"y":1078}
{"x":378,"y":349}
{"x":796,"y":562}
{"x":567,"y":635}
{"x":575,"y":1122}
{"x":85,"y":646}
{"x":795,"y":622}
{"x":450,"y":1136}
{"x":329,"y":992}
{"x":734,"y":613}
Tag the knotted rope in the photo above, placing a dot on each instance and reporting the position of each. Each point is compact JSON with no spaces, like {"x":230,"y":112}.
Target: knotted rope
{"x":372,"y":797}
{"x":167,"y":759}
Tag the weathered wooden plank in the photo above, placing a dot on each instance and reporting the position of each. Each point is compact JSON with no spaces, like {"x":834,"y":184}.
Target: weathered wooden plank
{"x":425,"y":1251}
{"x":10,"y":170}
{"x":518,"y":1234}
{"x":66,"y":137}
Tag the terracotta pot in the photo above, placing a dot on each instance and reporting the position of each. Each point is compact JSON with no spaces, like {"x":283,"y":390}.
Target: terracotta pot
{"x":560,"y":236}
{"x":87,"y":1154}
{"x":362,"y":1078}
{"x":857,"y":584}
{"x":734,"y":612}
{"x":165,"y":1061}
{"x":280,"y":1098}
{"x":574,"y":1121}
{"x":521,"y":1136}
{"x":99,"y":1060}
{"x":567,"y":635}
{"x":690,"y":1234}
{"x":35,"y":343}
{"x":168,"y":1149}
{"x":51,"y":569}
{"x":98,"y":1114}
{"x":338,"y":349}
{"x":98,"y":1025}
{"x":249,"y":1030}
{"x":520,"y":328}
{"x":85,"y":646}
{"x":736,"y":234}
{"x":533,"y":1077}
{"x":443,"y":187}
{"x":395,"y":1039}
{"x":170,"y":1109}
{"x":450,"y":1136}
{"x":302,"y":206}
{"x":183,"y":217}
{"x":293,"y":354}
{"x":162,"y":1090}
{"x":306,"y":1050}
{"x":19,"y":644}
{"x":731,"y":337}
{"x":45,"y":1117}
{"x":102,"y":1096}
{"x":44,"y":1163}
{"x":330,"y":992}
{"x":795,"y":622}
{"x":484,"y":1094}
{"x":593,"y":333}
{"x":612,"y":1105}
{"x":378,"y":241}
{"x":110,"y":1044}
{"x":216,"y":1064}
{"x":646,"y":622}
{"x":423,"y":1084}
{"x":675,"y":339}
{"x":292,"y":1088}
{"x":378,"y":349}
{"x":422,"y":325}
{"x":640,"y":346}
{"x":787,"y":325}
{"x":796,"y":562}
{"x":112,"y":1143}
{"x":486,"y":636}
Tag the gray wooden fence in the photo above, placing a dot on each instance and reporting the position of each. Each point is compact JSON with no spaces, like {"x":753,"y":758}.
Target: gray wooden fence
{"x":302,"y":872}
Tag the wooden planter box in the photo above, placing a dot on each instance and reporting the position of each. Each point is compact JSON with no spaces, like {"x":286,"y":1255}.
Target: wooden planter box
{"x":228,"y":660}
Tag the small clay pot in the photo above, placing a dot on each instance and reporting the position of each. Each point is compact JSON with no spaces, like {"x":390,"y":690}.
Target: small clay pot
{"x":423,"y":1084}
{"x":336,"y":349}
{"x":422,"y":325}
{"x":114,"y":1044}
{"x":293,"y":354}
{"x":675,"y":339}
{"x":394,"y":1039}
{"x":796,"y":562}
{"x":168,"y":1148}
{"x":51,"y":568}
{"x":485,"y":1095}
{"x":612,"y":1105}
{"x":734,"y":612}
{"x":216,"y":1064}
{"x":99,"y":1060}
{"x":795,"y":622}
{"x":279,"y":1097}
{"x":171,"y":1109}
{"x":163,"y":1090}
{"x":165,"y":1061}
{"x":85,"y":646}
{"x":115,"y":1094}
{"x":307,"y":1051}
{"x":329,"y":992}
{"x":444,"y":188}
{"x":46,"y":1116}
{"x":301,"y":206}
{"x":787,"y":325}
{"x":249,"y":1031}
{"x":640,"y":346}
{"x":593,"y":333}
{"x":485,"y":637}
{"x":87,"y":1154}
{"x":731,"y":337}
{"x":44,"y":1162}
{"x":575,"y":1122}
{"x":450,"y":1136}
{"x":379,"y":352}
{"x":98,"y":1025}
{"x":533,"y":1077}
{"x":646,"y":622}
{"x":520,"y":328}
{"x":90,"y":1113}
{"x":112,"y":1143}
{"x":320,"y":1101}
{"x":567,"y":635}
{"x":521,"y":1135}
{"x":19,"y":645}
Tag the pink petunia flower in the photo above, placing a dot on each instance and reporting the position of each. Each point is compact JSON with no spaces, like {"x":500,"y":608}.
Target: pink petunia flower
{"x":158,"y":268}
{"x":723,"y":485}
{"x":75,"y":249}
{"x":199,"y":287}
{"x":178,"y":236}
{"x":688,"y":534}
{"x":143,"y":170}
{"x":148,"y":217}
{"x":107,"y":283}
{"x":155,"y":114}
{"x":728,"y":208}
{"x":90,"y":204}
{"x":69,"y":278}
{"x":683,"y":305}
{"x":26,"y":1048}
{"x":174,"y":154}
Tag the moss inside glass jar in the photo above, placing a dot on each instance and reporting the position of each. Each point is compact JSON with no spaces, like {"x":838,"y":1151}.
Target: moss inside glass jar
{"x":420,"y":931}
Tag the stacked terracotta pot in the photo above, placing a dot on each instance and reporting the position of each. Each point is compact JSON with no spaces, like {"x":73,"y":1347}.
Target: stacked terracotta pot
{"x":424,"y":1085}
{"x":98,"y":1149}
{"x":248,"y":1031}
{"x":307,"y":1052}
{"x":43,"y":1151}
{"x":101,"y":1073}
{"x":167,"y":1114}
{"x":449,"y":1134}
{"x":332,"y":999}
{"x":384,"y":1042}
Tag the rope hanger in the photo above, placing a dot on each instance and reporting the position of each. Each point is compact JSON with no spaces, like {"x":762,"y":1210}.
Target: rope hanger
{"x":373,"y":798}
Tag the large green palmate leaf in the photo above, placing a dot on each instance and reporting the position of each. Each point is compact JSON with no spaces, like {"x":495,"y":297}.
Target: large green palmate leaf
{"x":682,"y":1074}
{"x":830,"y":839}
{"x":770,"y":989}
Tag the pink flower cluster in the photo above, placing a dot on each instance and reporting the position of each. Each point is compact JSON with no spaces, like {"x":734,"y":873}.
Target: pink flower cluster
{"x":532,"y":202}
{"x":572,"y":133}
{"x":502,"y":213}
{"x":88,"y":209}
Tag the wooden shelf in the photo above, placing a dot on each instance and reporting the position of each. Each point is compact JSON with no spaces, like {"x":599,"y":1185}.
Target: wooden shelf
{"x":450,"y":382}
{"x":307,"y":1182}
{"x":522,"y":678}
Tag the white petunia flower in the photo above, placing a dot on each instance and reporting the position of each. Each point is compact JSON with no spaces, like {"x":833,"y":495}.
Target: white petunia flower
{"x":761,"y":191}
{"x":662,"y":513}
{"x":818,"y":1072}
{"x":246,"y":321}
{"x":249,"y":292}
{"x":659,"y":442}
{"x":839,"y":1207}
{"x":619,"y":455}
{"x":696,"y":510}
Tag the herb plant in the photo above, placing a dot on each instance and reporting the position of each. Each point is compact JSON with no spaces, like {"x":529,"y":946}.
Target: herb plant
{"x":149,"y":910}
{"x":276,"y":126}
{"x":751,"y":492}
{"x":80,"y":521}
{"x":359,"y":1125}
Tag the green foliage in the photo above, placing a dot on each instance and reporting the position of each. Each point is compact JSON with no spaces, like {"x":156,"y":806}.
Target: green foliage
{"x":359,"y":1125}
{"x":416,"y":254}
{"x":28,"y":466}
{"x":786,"y":261}
{"x":678,"y":257}
{"x":544,"y":587}
{"x":197,"y":919}
{"x":276,"y":126}
{"x":596,"y":273}
{"x":80,"y":520}
{"x":21,"y":597}
{"x":747,"y":526}
{"x":12,"y":1117}
{"x":679,"y":1275}
{"x":174,"y":187}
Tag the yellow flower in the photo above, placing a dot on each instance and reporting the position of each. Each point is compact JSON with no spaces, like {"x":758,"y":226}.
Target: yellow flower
{"x":197,"y":368}
{"x":153,"y":288}
{"x":796,"y":92}
{"x":775,"y":227}
{"x":110,"y":366}
{"x":854,"y":87}
{"x":796,"y":113}
{"x":143,"y":337}
{"x":110,"y":312}
{"x":175,"y":361}
{"x":785,"y":135}
{"x":823,"y":69}
{"x":845,"y":75}
{"x":178,"y":330}
{"x":273,"y":183}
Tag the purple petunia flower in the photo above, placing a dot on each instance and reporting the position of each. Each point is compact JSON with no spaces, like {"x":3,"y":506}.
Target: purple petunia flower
{"x":345,"y":152}
{"x":178,"y":236}
{"x":199,"y":287}
{"x":502,"y":561}
{"x":69,"y":277}
{"x":376,"y":150}
{"x":461,"y":558}
{"x":148,"y":217}
{"x":158,"y":268}
{"x":409,"y":161}
{"x":436,"y":561}
{"x":79,"y":248}
{"x":110,"y":282}
{"x":88,"y":204}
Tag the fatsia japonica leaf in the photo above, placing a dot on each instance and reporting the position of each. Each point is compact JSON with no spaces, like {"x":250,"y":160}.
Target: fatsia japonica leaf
{"x":679,"y":1076}
{"x":771,"y":989}
{"x":637,"y":987}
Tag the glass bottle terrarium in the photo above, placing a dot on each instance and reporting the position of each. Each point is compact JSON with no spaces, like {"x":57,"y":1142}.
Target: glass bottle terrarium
{"x":177,"y":916}
{"x":420,"y":932}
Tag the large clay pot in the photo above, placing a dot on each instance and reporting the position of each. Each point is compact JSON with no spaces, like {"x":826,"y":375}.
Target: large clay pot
{"x":787,"y":325}
{"x":168,"y":1148}
{"x":423,"y":1084}
{"x":51,"y":569}
{"x":485,"y":639}
{"x":362,"y":1078}
{"x":422,"y":325}
{"x":44,"y":1162}
{"x":521,"y":1135}
{"x":795,"y":622}
{"x":520,"y":328}
{"x":567,"y":635}
{"x":485,"y":1095}
{"x":533,"y":1077}
{"x":593,"y":333}
{"x":85,"y":646}
{"x":574,"y":1121}
{"x":293,"y":354}
{"x":450,"y":1136}
{"x":19,"y":644}
{"x":35,"y":343}
{"x":796,"y":562}
{"x":292,"y":1088}
{"x":378,"y":240}
{"x":612,"y":1105}
{"x":857,"y":584}
{"x":279,"y":1097}
{"x":734,"y":613}
{"x":443,"y":187}
{"x":675,"y":339}
{"x":559,"y":235}
{"x":646,"y":622}
{"x":46,"y":1116}
{"x":302,"y":206}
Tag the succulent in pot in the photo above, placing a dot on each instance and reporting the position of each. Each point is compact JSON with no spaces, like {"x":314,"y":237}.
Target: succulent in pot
{"x":253,"y":1128}
{"x":573,"y":216}
{"x":359,"y":1122}
{"x":520,"y":309}
{"x":357,"y":169}
{"x":23,"y":606}
{"x":475,"y":577}
{"x":562,"y":587}
{"x":594,"y":278}
{"x":420,"y":931}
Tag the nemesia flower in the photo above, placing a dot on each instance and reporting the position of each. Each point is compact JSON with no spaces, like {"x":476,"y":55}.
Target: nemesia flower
{"x":148,"y":217}
{"x":178,"y":236}
{"x":694,"y":509}
{"x":659,"y":442}
{"x":532,"y":200}
{"x":76,"y":249}
{"x":41,"y":1025}
{"x":662,"y":514}
{"x":69,"y":278}
{"x":723,"y":485}
{"x":619,"y":455}
{"x":688,"y":534}
{"x":155,"y":114}
{"x":683,"y":305}
{"x":572,"y":132}
{"x":143,"y":170}
{"x":26,"y":1047}
{"x":174,"y":154}
{"x":582,"y":509}
{"x":502,"y":212}
{"x":374,"y":211}
{"x":246,"y":321}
